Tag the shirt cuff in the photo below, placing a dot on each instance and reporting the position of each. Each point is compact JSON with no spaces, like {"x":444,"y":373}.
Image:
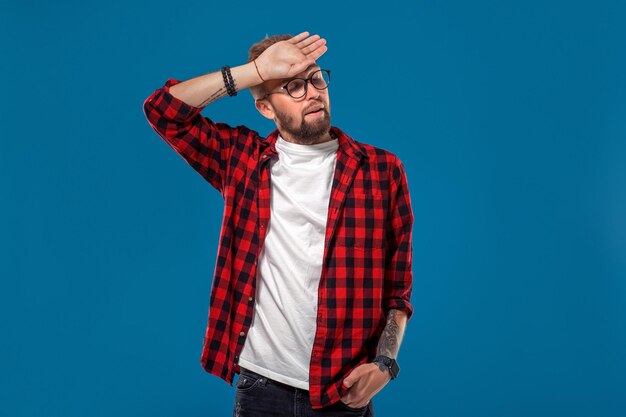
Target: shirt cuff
{"x":399,"y":304}
{"x":173,"y":108}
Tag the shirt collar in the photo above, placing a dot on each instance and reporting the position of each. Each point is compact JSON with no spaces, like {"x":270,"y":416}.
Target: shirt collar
{"x":347,"y":145}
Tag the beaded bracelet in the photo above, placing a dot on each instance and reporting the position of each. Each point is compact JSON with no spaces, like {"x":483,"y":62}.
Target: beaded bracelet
{"x":228,"y":81}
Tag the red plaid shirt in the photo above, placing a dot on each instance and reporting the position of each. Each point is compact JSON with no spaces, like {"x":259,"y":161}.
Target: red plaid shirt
{"x":367,"y":251}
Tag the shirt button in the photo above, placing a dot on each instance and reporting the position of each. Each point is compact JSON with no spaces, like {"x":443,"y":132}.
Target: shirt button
{"x":242,"y":334}
{"x":250,"y":299}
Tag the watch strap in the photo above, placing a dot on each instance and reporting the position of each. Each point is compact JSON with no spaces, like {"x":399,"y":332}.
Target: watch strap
{"x":390,"y":363}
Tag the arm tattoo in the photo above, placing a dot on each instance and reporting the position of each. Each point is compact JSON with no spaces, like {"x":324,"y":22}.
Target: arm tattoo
{"x":219,"y":93}
{"x":390,"y":339}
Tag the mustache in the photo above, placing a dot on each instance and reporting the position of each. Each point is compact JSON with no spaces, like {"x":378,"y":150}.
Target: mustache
{"x":315,"y":107}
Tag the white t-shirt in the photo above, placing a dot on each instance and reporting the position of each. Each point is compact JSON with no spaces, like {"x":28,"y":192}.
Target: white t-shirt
{"x":280,"y":339}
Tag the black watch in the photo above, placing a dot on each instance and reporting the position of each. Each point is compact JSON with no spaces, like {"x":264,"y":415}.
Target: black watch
{"x":391,"y":364}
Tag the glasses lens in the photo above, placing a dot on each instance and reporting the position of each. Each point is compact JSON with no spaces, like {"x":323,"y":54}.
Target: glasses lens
{"x":320,"y":79}
{"x":295,"y":88}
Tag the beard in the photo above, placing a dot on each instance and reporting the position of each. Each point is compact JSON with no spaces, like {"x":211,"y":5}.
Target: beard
{"x":305,"y":132}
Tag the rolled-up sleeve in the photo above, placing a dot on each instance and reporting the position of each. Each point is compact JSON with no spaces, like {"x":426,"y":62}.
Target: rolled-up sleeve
{"x":399,"y":235}
{"x":204,"y":145}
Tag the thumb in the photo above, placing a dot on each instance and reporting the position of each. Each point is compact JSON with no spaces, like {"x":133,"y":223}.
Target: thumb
{"x":350,"y":380}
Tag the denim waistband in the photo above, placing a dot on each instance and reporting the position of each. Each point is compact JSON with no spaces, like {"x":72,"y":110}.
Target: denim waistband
{"x":272,"y":381}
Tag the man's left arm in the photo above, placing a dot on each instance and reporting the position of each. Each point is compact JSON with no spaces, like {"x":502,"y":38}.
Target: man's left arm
{"x":368,"y":379}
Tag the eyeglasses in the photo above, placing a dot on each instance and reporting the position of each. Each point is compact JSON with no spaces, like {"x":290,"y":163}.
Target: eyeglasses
{"x":297,"y":87}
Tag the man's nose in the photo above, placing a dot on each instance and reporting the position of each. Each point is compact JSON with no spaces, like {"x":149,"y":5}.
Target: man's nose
{"x":311,"y":92}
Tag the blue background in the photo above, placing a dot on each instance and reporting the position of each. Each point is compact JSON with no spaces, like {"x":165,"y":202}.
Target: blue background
{"x":509,"y":117}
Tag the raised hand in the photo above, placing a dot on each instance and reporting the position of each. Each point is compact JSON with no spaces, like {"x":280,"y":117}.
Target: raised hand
{"x":285,"y":59}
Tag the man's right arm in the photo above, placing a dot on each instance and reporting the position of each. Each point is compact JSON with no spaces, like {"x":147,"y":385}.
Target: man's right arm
{"x":280,"y":60}
{"x":205,"y":89}
{"x":204,"y":145}
{"x":173,"y":111}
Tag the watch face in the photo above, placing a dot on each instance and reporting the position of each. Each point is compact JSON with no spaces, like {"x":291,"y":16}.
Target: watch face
{"x":394,"y":369}
{"x":391,"y":364}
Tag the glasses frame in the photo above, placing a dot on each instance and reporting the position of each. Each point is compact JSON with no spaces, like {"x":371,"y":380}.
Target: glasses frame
{"x":306,"y":85}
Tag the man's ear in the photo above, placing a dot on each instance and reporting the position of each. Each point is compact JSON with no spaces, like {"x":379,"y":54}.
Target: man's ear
{"x":265,"y":108}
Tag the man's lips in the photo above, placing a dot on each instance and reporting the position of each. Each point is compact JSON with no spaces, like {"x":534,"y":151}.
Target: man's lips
{"x":315,"y":109}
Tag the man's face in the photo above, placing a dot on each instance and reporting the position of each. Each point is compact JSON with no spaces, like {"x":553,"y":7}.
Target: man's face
{"x":305,"y":120}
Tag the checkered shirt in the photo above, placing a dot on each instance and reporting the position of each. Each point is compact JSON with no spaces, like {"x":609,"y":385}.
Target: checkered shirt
{"x":366,"y":268}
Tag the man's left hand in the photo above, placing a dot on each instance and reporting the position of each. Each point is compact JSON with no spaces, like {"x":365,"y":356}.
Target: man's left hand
{"x":363,"y":383}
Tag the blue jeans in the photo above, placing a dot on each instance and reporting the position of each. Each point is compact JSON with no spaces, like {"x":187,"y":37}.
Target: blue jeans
{"x":259,"y":396}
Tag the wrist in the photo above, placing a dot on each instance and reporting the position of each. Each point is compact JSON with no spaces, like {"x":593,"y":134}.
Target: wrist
{"x":245,"y":76}
{"x":383,"y":369}
{"x":388,"y":364}
{"x":256,"y":67}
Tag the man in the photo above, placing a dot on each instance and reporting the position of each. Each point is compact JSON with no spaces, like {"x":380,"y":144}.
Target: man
{"x":312,"y":285}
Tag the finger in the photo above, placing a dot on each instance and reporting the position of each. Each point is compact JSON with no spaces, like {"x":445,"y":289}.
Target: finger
{"x":299,"y":67}
{"x":308,"y":41}
{"x":312,"y":46}
{"x":317,"y":53}
{"x":351,"y":379}
{"x":298,"y":37}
